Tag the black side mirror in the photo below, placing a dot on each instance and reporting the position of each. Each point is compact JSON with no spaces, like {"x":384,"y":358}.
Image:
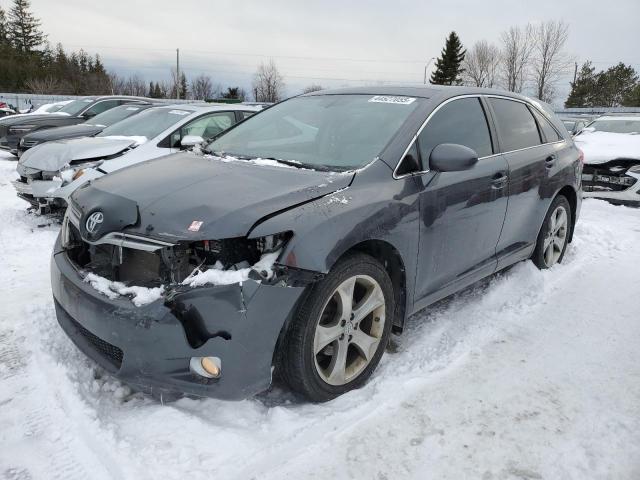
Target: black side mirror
{"x":451,"y":157}
{"x":89,"y":114}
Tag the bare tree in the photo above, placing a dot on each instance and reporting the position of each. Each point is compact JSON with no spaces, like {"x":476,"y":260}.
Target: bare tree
{"x":549,"y":60}
{"x":517,"y":46}
{"x":268,"y":83}
{"x":116,"y":84}
{"x":44,"y":86}
{"x":201,"y":87}
{"x":312,"y":88}
{"x":135,"y":86}
{"x":481,"y":65}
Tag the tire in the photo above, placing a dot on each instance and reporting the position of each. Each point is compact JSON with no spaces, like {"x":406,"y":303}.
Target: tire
{"x":311,"y":366}
{"x":554,"y":235}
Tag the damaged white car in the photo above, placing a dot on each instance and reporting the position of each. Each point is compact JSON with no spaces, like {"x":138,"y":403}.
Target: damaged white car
{"x":611,"y":147}
{"x":50,"y":172}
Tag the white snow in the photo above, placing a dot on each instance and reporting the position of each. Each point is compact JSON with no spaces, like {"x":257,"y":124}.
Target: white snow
{"x":139,"y":295}
{"x":255,"y":161}
{"x":600,"y":147}
{"x":137,"y":139}
{"x":527,"y":375}
{"x":218,"y":276}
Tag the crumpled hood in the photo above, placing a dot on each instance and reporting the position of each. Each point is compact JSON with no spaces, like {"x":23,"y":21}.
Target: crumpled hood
{"x":52,"y":156}
{"x":229,"y":198}
{"x":602,"y":147}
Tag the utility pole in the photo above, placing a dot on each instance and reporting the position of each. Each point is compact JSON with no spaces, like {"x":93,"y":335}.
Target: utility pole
{"x":178,"y":73}
{"x":575,"y":73}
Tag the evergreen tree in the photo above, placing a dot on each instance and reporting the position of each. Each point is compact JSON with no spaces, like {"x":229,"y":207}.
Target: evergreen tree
{"x":615,"y":84}
{"x":183,"y":86}
{"x":632,"y":98}
{"x":583,"y":89}
{"x":449,"y":64}
{"x":157,"y":91}
{"x":24,"y":28}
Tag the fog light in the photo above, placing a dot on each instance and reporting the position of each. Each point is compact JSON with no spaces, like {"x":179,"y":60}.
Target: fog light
{"x":209,"y":367}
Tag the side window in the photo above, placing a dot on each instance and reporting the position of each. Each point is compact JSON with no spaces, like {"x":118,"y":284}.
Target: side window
{"x":207,"y":126}
{"x":100,"y":107}
{"x":548,"y":131}
{"x":461,"y":121}
{"x":516,"y":125}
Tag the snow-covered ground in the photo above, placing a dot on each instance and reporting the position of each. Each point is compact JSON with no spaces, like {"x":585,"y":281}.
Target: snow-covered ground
{"x":529,"y":375}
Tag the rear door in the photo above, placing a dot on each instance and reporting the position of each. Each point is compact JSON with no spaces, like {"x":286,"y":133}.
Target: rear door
{"x":461,"y":212}
{"x":532,"y":160}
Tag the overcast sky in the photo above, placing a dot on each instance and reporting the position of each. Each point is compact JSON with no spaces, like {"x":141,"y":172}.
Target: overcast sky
{"x":328,"y":42}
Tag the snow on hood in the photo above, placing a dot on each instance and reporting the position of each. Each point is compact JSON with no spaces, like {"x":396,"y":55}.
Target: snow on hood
{"x":53,"y":156}
{"x":601,"y":147}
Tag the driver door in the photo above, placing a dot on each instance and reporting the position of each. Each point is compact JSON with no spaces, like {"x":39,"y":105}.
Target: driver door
{"x":462,"y":212}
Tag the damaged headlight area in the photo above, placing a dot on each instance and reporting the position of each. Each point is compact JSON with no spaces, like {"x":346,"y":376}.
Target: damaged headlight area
{"x":76,"y":169}
{"x":188,"y":264}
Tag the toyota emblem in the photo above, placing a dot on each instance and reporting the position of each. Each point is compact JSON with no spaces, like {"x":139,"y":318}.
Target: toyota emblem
{"x":94,"y":220}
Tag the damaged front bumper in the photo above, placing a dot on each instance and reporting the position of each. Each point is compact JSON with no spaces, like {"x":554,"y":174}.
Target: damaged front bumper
{"x":151,"y":347}
{"x":50,"y":194}
{"x":613,"y":182}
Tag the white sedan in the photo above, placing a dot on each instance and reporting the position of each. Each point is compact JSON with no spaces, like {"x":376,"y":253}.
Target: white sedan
{"x":50,"y":172}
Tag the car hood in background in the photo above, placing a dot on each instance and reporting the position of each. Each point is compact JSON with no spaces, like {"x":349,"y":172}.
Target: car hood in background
{"x":60,"y":133}
{"x":176,"y":192}
{"x":602,"y":147}
{"x":52,"y":156}
{"x":32,"y":118}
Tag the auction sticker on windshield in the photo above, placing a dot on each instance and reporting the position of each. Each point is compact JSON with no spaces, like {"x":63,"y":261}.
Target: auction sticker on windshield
{"x":396,"y":100}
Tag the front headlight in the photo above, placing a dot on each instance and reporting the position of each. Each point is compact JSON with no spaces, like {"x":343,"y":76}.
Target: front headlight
{"x":634,"y":169}
{"x":20,"y":129}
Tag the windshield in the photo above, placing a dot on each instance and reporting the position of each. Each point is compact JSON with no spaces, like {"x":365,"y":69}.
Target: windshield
{"x":338,"y":132}
{"x":617,"y":125}
{"x":149,"y":123}
{"x":76,"y":106}
{"x":114,"y":115}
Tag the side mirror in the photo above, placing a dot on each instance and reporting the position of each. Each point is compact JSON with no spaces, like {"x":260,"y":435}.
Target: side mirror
{"x":451,"y":157}
{"x":587,"y":129}
{"x":88,"y":114}
{"x":191,"y":140}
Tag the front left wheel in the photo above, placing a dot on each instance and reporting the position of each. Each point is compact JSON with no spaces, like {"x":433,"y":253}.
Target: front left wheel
{"x":340,"y":331}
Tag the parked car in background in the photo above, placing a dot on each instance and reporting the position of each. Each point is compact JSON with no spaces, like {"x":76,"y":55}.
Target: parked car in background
{"x":611,"y":146}
{"x":89,"y":128}
{"x":50,"y":107}
{"x":6,"y":111}
{"x":50,"y":172}
{"x":306,"y":233}
{"x":575,"y":124}
{"x":12,"y":129}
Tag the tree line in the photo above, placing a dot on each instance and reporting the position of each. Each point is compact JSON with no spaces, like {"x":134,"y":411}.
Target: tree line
{"x":28,"y":64}
{"x":533,"y":59}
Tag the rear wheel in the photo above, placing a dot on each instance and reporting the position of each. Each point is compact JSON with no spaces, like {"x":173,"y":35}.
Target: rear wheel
{"x":340,"y":332}
{"x":554,"y":234}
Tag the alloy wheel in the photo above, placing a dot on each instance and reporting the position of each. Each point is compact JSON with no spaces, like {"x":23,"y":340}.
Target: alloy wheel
{"x":556,"y":236}
{"x":349,"y":330}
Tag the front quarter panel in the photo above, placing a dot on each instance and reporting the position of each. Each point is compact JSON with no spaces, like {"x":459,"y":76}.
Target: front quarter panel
{"x":374,"y":207}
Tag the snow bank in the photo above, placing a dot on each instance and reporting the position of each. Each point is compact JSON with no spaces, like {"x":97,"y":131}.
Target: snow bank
{"x":139,"y":140}
{"x":140,"y":295}
{"x":217,"y":276}
{"x":600,"y":147}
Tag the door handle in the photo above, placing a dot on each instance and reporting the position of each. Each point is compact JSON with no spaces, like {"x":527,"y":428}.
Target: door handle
{"x":550,"y":161}
{"x":499,"y":180}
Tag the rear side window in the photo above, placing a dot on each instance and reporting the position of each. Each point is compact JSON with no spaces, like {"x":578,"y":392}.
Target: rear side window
{"x":516,"y":124}
{"x":461,"y":121}
{"x":548,"y":131}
